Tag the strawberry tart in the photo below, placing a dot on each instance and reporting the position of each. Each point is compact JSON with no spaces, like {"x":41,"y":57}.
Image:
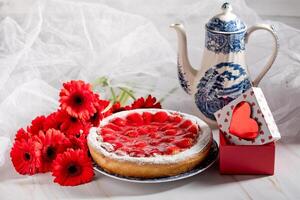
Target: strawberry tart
{"x":149,"y":143}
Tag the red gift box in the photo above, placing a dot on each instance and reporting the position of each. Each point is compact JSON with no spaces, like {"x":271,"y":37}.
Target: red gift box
{"x":246,"y":159}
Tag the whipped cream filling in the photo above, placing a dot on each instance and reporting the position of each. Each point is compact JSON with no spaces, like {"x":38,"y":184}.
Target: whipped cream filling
{"x":204,"y":138}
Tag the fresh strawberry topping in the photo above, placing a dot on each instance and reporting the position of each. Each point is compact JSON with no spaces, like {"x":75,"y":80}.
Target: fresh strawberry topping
{"x":185,"y":124}
{"x":172,"y":150}
{"x":119,"y":122}
{"x":160,"y":117}
{"x":135,"y":119}
{"x":147,"y":134}
{"x":184,"y":143}
{"x":147,"y":117}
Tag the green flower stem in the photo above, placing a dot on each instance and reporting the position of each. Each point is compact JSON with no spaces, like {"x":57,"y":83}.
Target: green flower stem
{"x":107,"y":107}
{"x":121,"y":96}
{"x":113,"y":94}
{"x":102,"y":81}
{"x":124,"y":101}
{"x":127,"y":91}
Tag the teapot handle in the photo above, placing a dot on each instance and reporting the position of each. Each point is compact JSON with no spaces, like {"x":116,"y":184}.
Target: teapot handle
{"x":271,"y":60}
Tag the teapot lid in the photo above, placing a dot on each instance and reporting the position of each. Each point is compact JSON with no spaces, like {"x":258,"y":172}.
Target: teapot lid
{"x":226,"y":22}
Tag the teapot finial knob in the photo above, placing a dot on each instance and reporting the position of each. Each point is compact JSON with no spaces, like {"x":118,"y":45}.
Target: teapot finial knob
{"x":226,"y":7}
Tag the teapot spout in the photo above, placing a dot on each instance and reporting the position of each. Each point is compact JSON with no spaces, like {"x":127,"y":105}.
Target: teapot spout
{"x":186,"y":73}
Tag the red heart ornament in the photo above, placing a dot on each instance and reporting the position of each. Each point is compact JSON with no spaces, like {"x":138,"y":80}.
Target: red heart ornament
{"x":242,"y":125}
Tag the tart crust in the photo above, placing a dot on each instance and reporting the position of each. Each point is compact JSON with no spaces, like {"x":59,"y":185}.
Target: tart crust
{"x":147,"y":170}
{"x":133,"y":167}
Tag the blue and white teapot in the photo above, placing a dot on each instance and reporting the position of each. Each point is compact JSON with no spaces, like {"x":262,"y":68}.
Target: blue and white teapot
{"x":223,"y":75}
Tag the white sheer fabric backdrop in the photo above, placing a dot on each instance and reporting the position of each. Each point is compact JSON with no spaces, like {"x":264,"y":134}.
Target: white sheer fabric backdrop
{"x":45,"y":43}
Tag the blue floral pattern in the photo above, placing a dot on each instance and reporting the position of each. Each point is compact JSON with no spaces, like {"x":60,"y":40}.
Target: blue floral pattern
{"x":216,"y":24}
{"x":225,"y":43}
{"x":182,"y":80}
{"x":212,"y":92}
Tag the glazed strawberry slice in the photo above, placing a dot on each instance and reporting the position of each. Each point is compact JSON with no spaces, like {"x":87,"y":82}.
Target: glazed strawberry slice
{"x":160,"y":117}
{"x":113,"y":126}
{"x":135,"y":119}
{"x":105,"y":131}
{"x":175,"y":119}
{"x":152,"y":129}
{"x":181,"y":132}
{"x":140,"y":144}
{"x":154,"y":142}
{"x":171,"y":150}
{"x":171,"y":132}
{"x":193,"y":129}
{"x":184,"y":143}
{"x":167,"y":139}
{"x":132,"y":133}
{"x":166,"y":127}
{"x":124,"y":138}
{"x":186,"y":123}
{"x":125,"y":149}
{"x":117,"y":145}
{"x":147,"y":117}
{"x":190,"y":135}
{"x":142,"y":131}
{"x":154,"y":135}
{"x":119,"y":121}
{"x":108,"y":137}
{"x":154,"y":152}
{"x":127,"y":128}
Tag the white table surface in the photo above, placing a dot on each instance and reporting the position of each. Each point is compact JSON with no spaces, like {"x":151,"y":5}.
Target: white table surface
{"x":208,"y":185}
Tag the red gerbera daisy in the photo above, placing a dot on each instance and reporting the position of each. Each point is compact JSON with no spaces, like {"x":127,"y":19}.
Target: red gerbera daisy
{"x":26,"y":156}
{"x":73,"y":167}
{"x":22,"y":135}
{"x":80,"y":131}
{"x":150,"y":102}
{"x":72,"y":125}
{"x":53,"y":121}
{"x":117,"y":107}
{"x":98,"y":116}
{"x":37,"y":125}
{"x":78,"y":99}
{"x":78,"y":142}
{"x":54,"y":142}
